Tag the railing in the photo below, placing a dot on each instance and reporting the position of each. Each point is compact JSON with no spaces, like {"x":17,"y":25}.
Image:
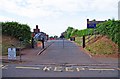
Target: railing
{"x":85,"y":40}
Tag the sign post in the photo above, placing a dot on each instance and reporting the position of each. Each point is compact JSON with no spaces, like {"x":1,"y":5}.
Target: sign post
{"x":62,"y":37}
{"x":20,"y":50}
{"x":63,"y":42}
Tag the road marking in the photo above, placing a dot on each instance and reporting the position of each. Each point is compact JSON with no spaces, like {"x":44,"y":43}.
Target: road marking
{"x":59,"y":69}
{"x":100,"y":69}
{"x":47,"y":68}
{"x":69,"y":69}
{"x":44,"y":49}
{"x":3,"y":66}
{"x":78,"y":69}
{"x":118,"y":68}
{"x":40,"y":51}
{"x":37,"y":68}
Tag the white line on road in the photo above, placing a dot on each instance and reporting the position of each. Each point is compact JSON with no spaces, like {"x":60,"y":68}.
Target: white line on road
{"x":101,"y":69}
{"x":70,"y":68}
{"x":3,"y":66}
{"x":118,"y":68}
{"x":44,"y":49}
{"x":37,"y":68}
{"x":40,"y":51}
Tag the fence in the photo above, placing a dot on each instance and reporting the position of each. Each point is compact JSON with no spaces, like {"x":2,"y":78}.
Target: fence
{"x":86,"y":40}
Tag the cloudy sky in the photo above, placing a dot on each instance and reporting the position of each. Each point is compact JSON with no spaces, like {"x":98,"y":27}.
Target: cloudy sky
{"x":54,"y":16}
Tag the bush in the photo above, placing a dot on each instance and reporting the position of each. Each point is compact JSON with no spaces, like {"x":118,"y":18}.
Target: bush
{"x":20,"y":31}
{"x":111,"y":28}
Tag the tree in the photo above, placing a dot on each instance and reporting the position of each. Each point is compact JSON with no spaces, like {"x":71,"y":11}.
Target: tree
{"x":68,"y":31}
{"x":74,"y":32}
{"x":17,"y":30}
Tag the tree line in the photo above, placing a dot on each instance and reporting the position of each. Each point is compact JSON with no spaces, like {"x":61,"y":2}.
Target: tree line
{"x":111,"y":28}
{"x":14,"y":29}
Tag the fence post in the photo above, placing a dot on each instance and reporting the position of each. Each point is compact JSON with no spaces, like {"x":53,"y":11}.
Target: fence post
{"x":83,"y":41}
{"x":95,"y":32}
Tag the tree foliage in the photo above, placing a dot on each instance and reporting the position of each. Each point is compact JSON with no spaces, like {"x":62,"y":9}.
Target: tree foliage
{"x":72,"y":32}
{"x":111,"y":28}
{"x":69,"y":31}
{"x":17,"y":30}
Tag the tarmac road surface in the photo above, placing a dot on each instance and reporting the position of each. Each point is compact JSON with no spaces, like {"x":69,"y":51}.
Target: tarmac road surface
{"x":60,"y":60}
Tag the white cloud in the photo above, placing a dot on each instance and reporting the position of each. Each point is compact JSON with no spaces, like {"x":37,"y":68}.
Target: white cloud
{"x":106,"y":5}
{"x":5,"y":19}
{"x":45,"y":8}
{"x":68,"y":12}
{"x":30,"y":10}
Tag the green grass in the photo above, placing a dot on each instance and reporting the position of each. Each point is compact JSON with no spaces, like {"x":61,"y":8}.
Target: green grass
{"x":90,"y":38}
{"x":78,"y":40}
{"x":101,"y":47}
{"x":7,"y":43}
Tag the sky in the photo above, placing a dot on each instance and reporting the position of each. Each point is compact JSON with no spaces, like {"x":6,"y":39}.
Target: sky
{"x":54,"y":16}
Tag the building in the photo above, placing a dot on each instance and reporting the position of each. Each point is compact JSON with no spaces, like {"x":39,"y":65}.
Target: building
{"x":97,"y":22}
{"x":35,"y":31}
{"x":93,"y":23}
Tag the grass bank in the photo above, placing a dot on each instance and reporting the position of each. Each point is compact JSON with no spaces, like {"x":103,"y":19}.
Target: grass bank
{"x":8,"y":42}
{"x":101,"y":45}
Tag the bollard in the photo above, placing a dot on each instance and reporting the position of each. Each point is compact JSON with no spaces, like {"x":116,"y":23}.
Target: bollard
{"x":83,"y":41}
{"x":32,"y":43}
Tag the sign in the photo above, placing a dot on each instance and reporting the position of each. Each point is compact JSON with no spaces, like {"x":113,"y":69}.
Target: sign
{"x":11,"y":53}
{"x":91,"y":25}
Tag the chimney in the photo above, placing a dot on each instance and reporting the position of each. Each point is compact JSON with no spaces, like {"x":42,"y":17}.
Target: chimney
{"x":36,"y":26}
{"x":87,"y":21}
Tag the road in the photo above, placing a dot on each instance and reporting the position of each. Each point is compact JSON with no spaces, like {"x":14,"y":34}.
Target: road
{"x":60,"y":60}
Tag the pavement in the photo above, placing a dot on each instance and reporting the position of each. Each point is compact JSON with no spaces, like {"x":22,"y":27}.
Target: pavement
{"x":61,"y":59}
{"x":28,"y":53}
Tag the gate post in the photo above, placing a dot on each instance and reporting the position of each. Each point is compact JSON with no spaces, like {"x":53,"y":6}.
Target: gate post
{"x":32,"y":42}
{"x":83,"y":41}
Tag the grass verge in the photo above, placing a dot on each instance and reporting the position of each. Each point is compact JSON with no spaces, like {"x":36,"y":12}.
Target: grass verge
{"x":103,"y":46}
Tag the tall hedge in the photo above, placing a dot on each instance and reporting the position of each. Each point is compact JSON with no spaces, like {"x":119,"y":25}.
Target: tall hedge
{"x":15,"y":29}
{"x":70,"y":32}
{"x":111,"y":28}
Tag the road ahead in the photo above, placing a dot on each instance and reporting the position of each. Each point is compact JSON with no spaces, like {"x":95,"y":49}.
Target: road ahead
{"x":60,"y":60}
{"x":69,"y":53}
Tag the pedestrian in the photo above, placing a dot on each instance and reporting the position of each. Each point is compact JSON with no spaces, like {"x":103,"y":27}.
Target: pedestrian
{"x":42,"y":40}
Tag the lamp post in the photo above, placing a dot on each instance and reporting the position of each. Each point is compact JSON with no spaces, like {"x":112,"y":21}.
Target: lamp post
{"x":20,"y":39}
